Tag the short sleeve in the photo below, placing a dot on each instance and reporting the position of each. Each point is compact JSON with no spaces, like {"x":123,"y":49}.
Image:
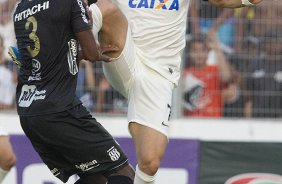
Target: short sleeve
{"x":79,"y":17}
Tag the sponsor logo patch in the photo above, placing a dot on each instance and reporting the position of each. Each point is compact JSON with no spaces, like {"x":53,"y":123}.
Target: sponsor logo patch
{"x":155,"y":4}
{"x":72,"y":56}
{"x":87,"y":165}
{"x":30,"y":94}
{"x":31,"y":11}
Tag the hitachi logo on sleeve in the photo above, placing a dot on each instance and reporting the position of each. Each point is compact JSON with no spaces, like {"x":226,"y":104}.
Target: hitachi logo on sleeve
{"x":155,"y":4}
{"x":31,"y":11}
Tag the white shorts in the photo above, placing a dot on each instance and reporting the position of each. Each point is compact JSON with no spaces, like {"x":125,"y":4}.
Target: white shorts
{"x":3,"y":131}
{"x":149,"y":93}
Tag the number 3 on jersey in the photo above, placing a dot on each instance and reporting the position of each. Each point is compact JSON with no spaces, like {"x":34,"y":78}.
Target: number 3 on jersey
{"x":31,"y":21}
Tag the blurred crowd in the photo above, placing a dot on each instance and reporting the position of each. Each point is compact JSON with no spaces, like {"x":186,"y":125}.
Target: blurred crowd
{"x":232,"y":61}
{"x":231,"y":67}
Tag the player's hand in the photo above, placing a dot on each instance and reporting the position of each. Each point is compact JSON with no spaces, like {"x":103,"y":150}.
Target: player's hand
{"x":15,"y":56}
{"x":105,"y":50}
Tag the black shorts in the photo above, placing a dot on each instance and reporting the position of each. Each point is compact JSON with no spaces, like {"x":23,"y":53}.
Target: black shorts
{"x":73,"y":142}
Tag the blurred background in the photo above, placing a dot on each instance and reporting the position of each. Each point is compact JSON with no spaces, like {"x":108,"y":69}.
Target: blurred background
{"x":226,"y":112}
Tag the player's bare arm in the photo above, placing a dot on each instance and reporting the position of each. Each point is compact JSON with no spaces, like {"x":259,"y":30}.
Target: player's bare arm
{"x":234,"y":3}
{"x":90,"y":51}
{"x":88,"y":45}
{"x":114,"y":30}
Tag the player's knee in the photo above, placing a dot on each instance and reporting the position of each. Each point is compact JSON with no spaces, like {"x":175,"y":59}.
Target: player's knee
{"x":107,"y":8}
{"x":149,"y":166}
{"x":8,"y":162}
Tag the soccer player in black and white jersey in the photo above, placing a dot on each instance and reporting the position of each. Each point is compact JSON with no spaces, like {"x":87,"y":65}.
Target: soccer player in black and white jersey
{"x":67,"y":138}
{"x":150,"y":35}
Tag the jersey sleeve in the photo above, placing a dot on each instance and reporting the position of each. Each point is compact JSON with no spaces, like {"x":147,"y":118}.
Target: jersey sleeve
{"x":79,"y":17}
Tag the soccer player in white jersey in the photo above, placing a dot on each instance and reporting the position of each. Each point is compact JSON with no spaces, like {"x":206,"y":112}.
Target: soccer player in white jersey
{"x":150,"y":35}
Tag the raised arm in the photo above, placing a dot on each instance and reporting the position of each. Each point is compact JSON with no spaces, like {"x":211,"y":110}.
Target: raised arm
{"x":234,"y":3}
{"x":223,"y":64}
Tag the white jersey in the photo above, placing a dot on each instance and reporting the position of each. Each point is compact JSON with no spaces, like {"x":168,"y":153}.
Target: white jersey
{"x":158,"y":31}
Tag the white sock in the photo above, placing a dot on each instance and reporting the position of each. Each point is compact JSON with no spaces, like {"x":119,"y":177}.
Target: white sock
{"x":3,"y":173}
{"x":143,"y":178}
{"x":97,"y":20}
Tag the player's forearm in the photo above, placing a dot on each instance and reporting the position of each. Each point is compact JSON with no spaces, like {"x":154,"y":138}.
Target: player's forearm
{"x":233,"y":3}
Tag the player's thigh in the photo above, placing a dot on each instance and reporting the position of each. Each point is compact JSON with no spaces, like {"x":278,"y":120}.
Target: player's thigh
{"x":114,"y":27}
{"x":150,"y":144}
{"x":120,"y":71}
{"x":88,"y":178}
{"x":149,"y":112}
{"x":7,"y":156}
{"x":149,"y":101}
